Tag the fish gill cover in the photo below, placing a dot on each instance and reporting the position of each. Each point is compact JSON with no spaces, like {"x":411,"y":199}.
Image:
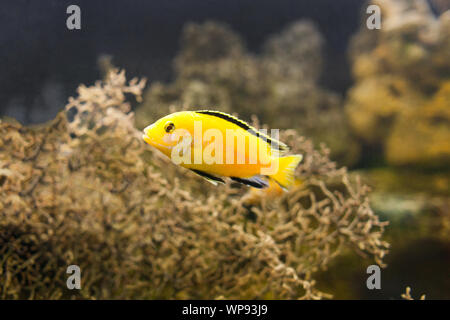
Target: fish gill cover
{"x":84,"y":189}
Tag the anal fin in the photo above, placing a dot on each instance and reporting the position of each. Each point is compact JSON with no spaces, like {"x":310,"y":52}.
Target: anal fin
{"x":256,"y":182}
{"x":209,"y":177}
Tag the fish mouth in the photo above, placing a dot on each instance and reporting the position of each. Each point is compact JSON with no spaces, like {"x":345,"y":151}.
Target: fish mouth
{"x":147,"y":139}
{"x":146,"y":136}
{"x":153,"y":143}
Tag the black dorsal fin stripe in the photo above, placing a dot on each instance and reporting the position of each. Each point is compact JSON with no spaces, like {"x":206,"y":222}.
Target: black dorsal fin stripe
{"x":275,"y":144}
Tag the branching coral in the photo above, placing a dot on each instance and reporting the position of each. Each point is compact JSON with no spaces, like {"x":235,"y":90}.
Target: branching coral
{"x":84,"y":190}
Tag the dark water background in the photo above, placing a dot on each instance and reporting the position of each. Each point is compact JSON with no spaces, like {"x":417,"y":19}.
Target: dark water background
{"x":43,"y":62}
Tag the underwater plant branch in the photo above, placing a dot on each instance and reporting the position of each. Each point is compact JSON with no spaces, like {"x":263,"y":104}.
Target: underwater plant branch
{"x":407,"y":295}
{"x":139,"y":227}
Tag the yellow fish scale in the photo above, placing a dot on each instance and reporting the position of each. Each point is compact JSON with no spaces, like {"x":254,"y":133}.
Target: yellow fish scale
{"x":222,"y":145}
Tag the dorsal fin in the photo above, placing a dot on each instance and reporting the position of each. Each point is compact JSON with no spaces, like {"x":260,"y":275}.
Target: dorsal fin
{"x":275,"y":144}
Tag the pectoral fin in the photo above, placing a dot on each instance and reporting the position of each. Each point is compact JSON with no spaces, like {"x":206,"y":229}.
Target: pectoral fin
{"x":256,"y":182}
{"x":209,"y":177}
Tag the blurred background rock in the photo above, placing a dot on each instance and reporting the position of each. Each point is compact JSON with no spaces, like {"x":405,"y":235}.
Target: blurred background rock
{"x":400,"y":100}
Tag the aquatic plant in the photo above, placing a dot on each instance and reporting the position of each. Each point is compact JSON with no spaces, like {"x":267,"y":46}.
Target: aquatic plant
{"x":407,"y":295}
{"x":85,"y":190}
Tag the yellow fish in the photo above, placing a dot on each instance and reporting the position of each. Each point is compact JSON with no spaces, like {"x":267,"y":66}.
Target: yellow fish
{"x":214,"y":145}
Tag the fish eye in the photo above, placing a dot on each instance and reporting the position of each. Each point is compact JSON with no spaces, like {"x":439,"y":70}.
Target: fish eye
{"x":169,"y":127}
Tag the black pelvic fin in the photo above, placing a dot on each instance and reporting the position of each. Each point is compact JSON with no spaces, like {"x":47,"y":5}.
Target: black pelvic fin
{"x":256,"y":182}
{"x":209,"y":177}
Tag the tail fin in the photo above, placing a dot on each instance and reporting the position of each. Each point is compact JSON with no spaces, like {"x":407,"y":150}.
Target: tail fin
{"x":286,"y":168}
